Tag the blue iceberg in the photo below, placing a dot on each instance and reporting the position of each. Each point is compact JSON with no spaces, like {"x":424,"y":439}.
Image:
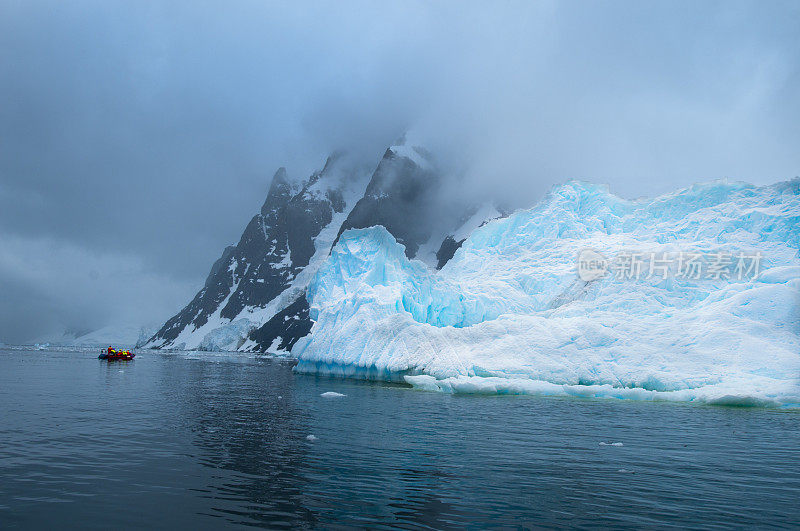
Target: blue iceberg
{"x":512,"y":312}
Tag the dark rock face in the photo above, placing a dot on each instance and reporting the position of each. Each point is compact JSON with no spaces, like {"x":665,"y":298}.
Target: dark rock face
{"x":401,"y":196}
{"x":446,"y":251}
{"x":217,"y":287}
{"x":288,"y":325}
{"x":275,"y":246}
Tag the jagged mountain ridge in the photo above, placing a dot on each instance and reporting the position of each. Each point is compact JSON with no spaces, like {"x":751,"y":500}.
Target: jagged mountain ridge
{"x":254,"y":297}
{"x":400,"y":197}
{"x":275,"y":247}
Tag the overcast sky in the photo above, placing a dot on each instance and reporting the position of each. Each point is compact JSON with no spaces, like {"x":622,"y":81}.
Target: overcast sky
{"x":137,"y":138}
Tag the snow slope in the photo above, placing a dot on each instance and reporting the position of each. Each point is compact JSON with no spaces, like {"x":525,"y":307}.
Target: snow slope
{"x":509,"y":314}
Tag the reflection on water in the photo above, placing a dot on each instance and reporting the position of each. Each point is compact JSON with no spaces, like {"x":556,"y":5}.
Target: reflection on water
{"x":208,"y":439}
{"x":250,"y":426}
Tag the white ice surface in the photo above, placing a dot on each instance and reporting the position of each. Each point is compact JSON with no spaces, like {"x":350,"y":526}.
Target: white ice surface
{"x":508,"y":313}
{"x":427,"y":251}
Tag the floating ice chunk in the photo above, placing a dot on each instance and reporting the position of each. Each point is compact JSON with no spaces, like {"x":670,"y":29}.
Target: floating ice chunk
{"x":331,"y":394}
{"x":610,"y":444}
{"x":311,"y":438}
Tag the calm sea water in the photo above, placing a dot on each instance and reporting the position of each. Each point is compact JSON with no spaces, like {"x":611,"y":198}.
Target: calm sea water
{"x":209,"y":440}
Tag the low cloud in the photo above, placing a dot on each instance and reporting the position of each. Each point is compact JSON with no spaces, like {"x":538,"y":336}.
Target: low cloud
{"x":51,"y":286}
{"x":146,"y":133}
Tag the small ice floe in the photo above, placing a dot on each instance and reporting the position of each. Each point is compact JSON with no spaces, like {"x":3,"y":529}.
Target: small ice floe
{"x":311,"y":438}
{"x":611,"y":444}
{"x":332,"y":394}
{"x":626,"y":471}
{"x":280,"y":397}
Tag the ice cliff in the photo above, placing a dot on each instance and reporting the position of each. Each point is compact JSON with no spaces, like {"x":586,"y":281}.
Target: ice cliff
{"x":509,"y":312}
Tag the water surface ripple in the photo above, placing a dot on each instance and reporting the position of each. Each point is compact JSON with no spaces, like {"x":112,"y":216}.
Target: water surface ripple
{"x":204,"y":440}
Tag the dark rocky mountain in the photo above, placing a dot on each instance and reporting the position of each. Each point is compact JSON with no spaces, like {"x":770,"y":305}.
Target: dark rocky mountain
{"x":283,"y":330}
{"x":447,"y":250}
{"x":402,"y":196}
{"x":276,"y":245}
{"x":254,"y":297}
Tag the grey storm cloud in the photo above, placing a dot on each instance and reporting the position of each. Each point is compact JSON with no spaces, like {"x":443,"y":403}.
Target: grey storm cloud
{"x":138,"y":138}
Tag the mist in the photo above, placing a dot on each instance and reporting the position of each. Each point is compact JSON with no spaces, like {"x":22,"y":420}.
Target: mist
{"x":138,"y":138}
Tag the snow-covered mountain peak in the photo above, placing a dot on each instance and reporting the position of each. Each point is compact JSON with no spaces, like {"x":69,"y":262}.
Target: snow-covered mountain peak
{"x":280,"y":190}
{"x":412,"y":151}
{"x":259,"y":276}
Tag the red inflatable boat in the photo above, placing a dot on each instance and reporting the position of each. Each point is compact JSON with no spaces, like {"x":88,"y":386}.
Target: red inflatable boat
{"x":112,"y":355}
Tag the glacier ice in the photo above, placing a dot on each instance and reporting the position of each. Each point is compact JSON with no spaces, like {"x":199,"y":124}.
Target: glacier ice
{"x":332,"y":394}
{"x":508,"y":314}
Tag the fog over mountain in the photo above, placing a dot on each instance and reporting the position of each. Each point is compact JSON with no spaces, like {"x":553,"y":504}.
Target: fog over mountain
{"x":138,"y":139}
